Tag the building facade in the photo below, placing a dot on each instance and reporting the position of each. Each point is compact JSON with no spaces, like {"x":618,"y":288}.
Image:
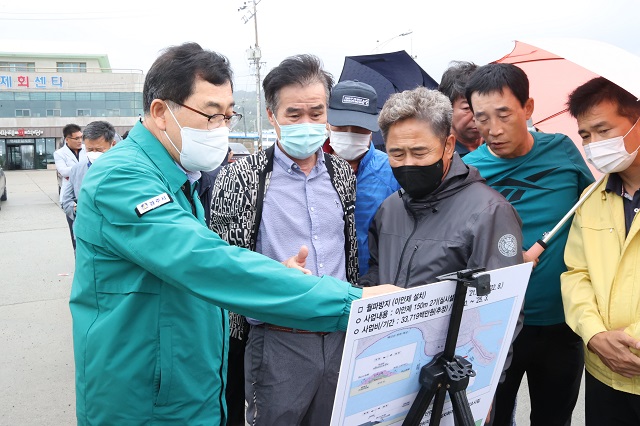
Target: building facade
{"x":41,"y":93}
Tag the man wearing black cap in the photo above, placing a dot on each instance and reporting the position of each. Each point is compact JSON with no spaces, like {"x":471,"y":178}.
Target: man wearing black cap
{"x":353,"y":116}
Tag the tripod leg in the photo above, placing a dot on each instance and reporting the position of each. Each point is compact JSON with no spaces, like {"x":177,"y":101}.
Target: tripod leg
{"x":438,"y":404}
{"x":461,"y":409}
{"x":420,"y":405}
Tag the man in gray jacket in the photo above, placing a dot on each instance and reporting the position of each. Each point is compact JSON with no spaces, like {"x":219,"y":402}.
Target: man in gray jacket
{"x":445,"y":218}
{"x":98,"y":137}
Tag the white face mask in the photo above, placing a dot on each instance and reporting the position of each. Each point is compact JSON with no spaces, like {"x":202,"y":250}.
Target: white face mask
{"x":202,"y":150}
{"x":610,"y":155}
{"x":349,"y":145}
{"x":92,"y":156}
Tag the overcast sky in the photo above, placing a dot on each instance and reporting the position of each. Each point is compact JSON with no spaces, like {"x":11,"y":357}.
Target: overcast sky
{"x":133,"y":32}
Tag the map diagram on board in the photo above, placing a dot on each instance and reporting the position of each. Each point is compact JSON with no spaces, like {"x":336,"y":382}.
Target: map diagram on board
{"x":393,"y":336}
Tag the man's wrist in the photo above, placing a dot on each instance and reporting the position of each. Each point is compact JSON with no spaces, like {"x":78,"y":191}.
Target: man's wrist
{"x":595,"y":337}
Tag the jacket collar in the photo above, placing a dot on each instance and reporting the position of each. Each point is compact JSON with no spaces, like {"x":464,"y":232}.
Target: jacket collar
{"x":364,"y":161}
{"x":158,"y":155}
{"x":73,"y":154}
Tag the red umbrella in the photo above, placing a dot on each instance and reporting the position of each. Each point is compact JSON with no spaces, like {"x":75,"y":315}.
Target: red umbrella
{"x":551,"y":79}
{"x":555,"y":67}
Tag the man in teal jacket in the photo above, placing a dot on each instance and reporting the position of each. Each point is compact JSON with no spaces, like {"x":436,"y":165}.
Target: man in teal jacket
{"x":542,"y":175}
{"x":152,"y":283}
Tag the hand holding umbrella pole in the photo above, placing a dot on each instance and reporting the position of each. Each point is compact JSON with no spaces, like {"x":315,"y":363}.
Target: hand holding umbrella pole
{"x":536,"y":250}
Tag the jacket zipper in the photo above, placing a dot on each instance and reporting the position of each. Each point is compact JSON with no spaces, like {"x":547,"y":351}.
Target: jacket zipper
{"x":406,"y":281}
{"x":223,"y":389}
{"x":415,"y":227}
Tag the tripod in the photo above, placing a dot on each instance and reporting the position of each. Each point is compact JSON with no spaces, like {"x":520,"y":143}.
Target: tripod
{"x":448,"y":372}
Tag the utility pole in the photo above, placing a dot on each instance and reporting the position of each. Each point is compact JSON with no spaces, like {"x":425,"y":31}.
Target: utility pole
{"x":244,"y":119}
{"x":254,"y":55}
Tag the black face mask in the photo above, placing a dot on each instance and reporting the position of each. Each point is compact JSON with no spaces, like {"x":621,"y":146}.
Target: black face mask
{"x":419,"y":181}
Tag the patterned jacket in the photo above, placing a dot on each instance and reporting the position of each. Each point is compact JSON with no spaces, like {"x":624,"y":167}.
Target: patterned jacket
{"x":238,"y":194}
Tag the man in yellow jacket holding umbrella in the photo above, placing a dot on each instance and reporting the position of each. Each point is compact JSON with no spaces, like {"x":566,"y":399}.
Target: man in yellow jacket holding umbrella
{"x":601,"y":288}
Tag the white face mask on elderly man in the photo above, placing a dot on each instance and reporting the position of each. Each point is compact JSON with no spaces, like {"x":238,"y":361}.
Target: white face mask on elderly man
{"x":92,"y":156}
{"x":610,"y":155}
{"x":349,"y":145}
{"x":202,"y":150}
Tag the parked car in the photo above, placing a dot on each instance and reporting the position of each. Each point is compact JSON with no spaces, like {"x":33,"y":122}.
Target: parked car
{"x":3,"y":186}
{"x":239,"y":151}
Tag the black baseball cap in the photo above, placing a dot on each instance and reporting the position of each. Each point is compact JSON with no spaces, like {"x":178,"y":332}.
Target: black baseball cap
{"x":353,"y":103}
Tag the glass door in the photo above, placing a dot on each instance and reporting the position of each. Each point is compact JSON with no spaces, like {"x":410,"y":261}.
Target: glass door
{"x":14,"y":157}
{"x":28,"y":156}
{"x":21,"y":157}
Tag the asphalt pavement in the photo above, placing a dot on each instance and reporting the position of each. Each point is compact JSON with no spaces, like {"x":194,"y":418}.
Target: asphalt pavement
{"x":36,"y":271}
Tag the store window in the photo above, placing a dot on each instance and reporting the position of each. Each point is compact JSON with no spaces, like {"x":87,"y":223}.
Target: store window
{"x":40,"y":160}
{"x":50,"y":146}
{"x":23,"y":113}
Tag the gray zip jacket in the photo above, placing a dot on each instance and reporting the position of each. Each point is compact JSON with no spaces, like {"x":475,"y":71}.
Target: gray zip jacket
{"x":463,"y":224}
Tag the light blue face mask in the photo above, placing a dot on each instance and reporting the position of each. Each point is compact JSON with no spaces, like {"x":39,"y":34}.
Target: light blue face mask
{"x":302,"y":140}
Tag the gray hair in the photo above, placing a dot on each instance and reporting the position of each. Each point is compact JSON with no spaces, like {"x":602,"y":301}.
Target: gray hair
{"x":301,"y":70}
{"x":421,"y":103}
{"x":99,"y":129}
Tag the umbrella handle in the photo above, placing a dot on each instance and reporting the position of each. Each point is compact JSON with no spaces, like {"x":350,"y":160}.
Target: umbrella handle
{"x":535,"y":250}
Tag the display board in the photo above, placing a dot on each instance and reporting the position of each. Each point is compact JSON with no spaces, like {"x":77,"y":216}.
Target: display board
{"x":390,"y":337}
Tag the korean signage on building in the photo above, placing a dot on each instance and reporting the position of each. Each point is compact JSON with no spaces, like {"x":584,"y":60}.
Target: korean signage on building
{"x":21,"y":132}
{"x":23,"y":81}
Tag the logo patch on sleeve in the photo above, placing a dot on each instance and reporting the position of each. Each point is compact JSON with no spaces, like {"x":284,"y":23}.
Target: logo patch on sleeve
{"x":508,"y":245}
{"x":153,"y":203}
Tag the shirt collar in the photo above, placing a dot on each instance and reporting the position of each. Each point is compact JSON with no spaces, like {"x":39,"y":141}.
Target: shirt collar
{"x":461,"y":148}
{"x":287,"y":163}
{"x":192,"y":176}
{"x":614,"y":184}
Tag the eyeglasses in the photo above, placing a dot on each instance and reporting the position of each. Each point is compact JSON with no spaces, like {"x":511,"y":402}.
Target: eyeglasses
{"x":214,"y":121}
{"x":79,"y":138}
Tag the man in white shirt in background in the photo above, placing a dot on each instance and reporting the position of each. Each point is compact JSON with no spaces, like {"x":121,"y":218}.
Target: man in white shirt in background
{"x":66,"y":157}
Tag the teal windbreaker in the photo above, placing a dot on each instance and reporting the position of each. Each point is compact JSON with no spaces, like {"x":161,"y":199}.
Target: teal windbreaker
{"x":151,"y":290}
